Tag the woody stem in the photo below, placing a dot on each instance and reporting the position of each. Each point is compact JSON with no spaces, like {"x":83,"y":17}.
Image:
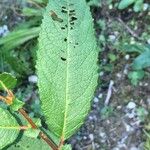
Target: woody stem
{"x":49,"y":141}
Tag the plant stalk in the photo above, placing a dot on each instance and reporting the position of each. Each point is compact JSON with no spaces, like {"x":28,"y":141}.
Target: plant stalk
{"x":49,"y":141}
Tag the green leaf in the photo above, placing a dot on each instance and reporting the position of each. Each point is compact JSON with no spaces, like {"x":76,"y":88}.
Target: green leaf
{"x":125,"y":3}
{"x":32,"y":12}
{"x":13,"y":40}
{"x":95,"y":3}
{"x":139,"y":48}
{"x":16,"y":38}
{"x":27,"y":143}
{"x":66,"y":65}
{"x":138,"y":5}
{"x":17,"y":104}
{"x":142,"y":61}
{"x":9,"y":128}
{"x":147,"y":143}
{"x":33,"y":133}
{"x":8,"y":80}
{"x":135,"y":76}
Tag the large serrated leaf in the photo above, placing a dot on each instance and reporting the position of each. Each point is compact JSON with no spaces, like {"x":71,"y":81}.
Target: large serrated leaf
{"x":27,"y":143}
{"x":66,"y":65}
{"x":9,"y":128}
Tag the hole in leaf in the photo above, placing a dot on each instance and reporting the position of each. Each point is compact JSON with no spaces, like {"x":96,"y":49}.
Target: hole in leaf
{"x":72,"y":23}
{"x":63,"y":11}
{"x":66,"y":26}
{"x":63,"y":59}
{"x":63,"y":28}
{"x":55,"y":17}
{"x":63,"y":7}
{"x":65,"y":39}
{"x":72,"y":11}
{"x":17,"y":146}
{"x":73,"y":19}
{"x":71,"y":28}
{"x":76,"y":43}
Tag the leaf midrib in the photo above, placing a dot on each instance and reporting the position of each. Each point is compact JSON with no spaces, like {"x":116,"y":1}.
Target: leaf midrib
{"x":67,"y":73}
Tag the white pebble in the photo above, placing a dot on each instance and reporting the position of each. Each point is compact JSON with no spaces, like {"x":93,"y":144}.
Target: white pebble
{"x":134,"y":148}
{"x":127,"y":57}
{"x":85,"y":138}
{"x":130,"y":115}
{"x":140,"y":84}
{"x":112,"y":38}
{"x":116,"y":148}
{"x":90,"y":118}
{"x":145,"y":6}
{"x":101,"y":73}
{"x":102,"y":135}
{"x":100,"y":95}
{"x":148,"y":41}
{"x":4,"y":30}
{"x":96,"y":100}
{"x":118,"y":75}
{"x":128,"y":128}
{"x":91,"y":136}
{"x":33,"y":79}
{"x":148,"y":101}
{"x":131,"y":105}
{"x":146,"y":84}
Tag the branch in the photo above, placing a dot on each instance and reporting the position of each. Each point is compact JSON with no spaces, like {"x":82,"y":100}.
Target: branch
{"x":9,"y":100}
{"x":41,"y":134}
{"x":128,"y":29}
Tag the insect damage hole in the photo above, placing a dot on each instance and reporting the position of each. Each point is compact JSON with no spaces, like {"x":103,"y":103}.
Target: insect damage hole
{"x":73,"y":18}
{"x":63,"y":59}
{"x":63,"y":28}
{"x":65,"y":39}
{"x":64,"y":11}
{"x":55,"y":17}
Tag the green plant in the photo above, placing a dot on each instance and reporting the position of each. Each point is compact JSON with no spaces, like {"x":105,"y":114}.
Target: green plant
{"x":138,"y":4}
{"x":147,"y":133}
{"x":141,"y":62}
{"x":67,"y":72}
{"x":135,"y":76}
{"x":14,"y":46}
{"x":106,"y":112}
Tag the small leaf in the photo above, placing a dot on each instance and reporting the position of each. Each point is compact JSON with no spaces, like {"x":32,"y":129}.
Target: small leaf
{"x":147,"y":144}
{"x":139,"y":48}
{"x":9,"y":128}
{"x":138,"y":5}
{"x":135,"y":76}
{"x":8,"y":80}
{"x":125,"y":3}
{"x":142,"y":61}
{"x":27,"y":143}
{"x":32,"y":133}
{"x":17,"y":104}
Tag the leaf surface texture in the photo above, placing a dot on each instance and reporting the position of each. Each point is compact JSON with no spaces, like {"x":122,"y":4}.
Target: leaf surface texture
{"x":66,"y":65}
{"x":9,"y":128}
